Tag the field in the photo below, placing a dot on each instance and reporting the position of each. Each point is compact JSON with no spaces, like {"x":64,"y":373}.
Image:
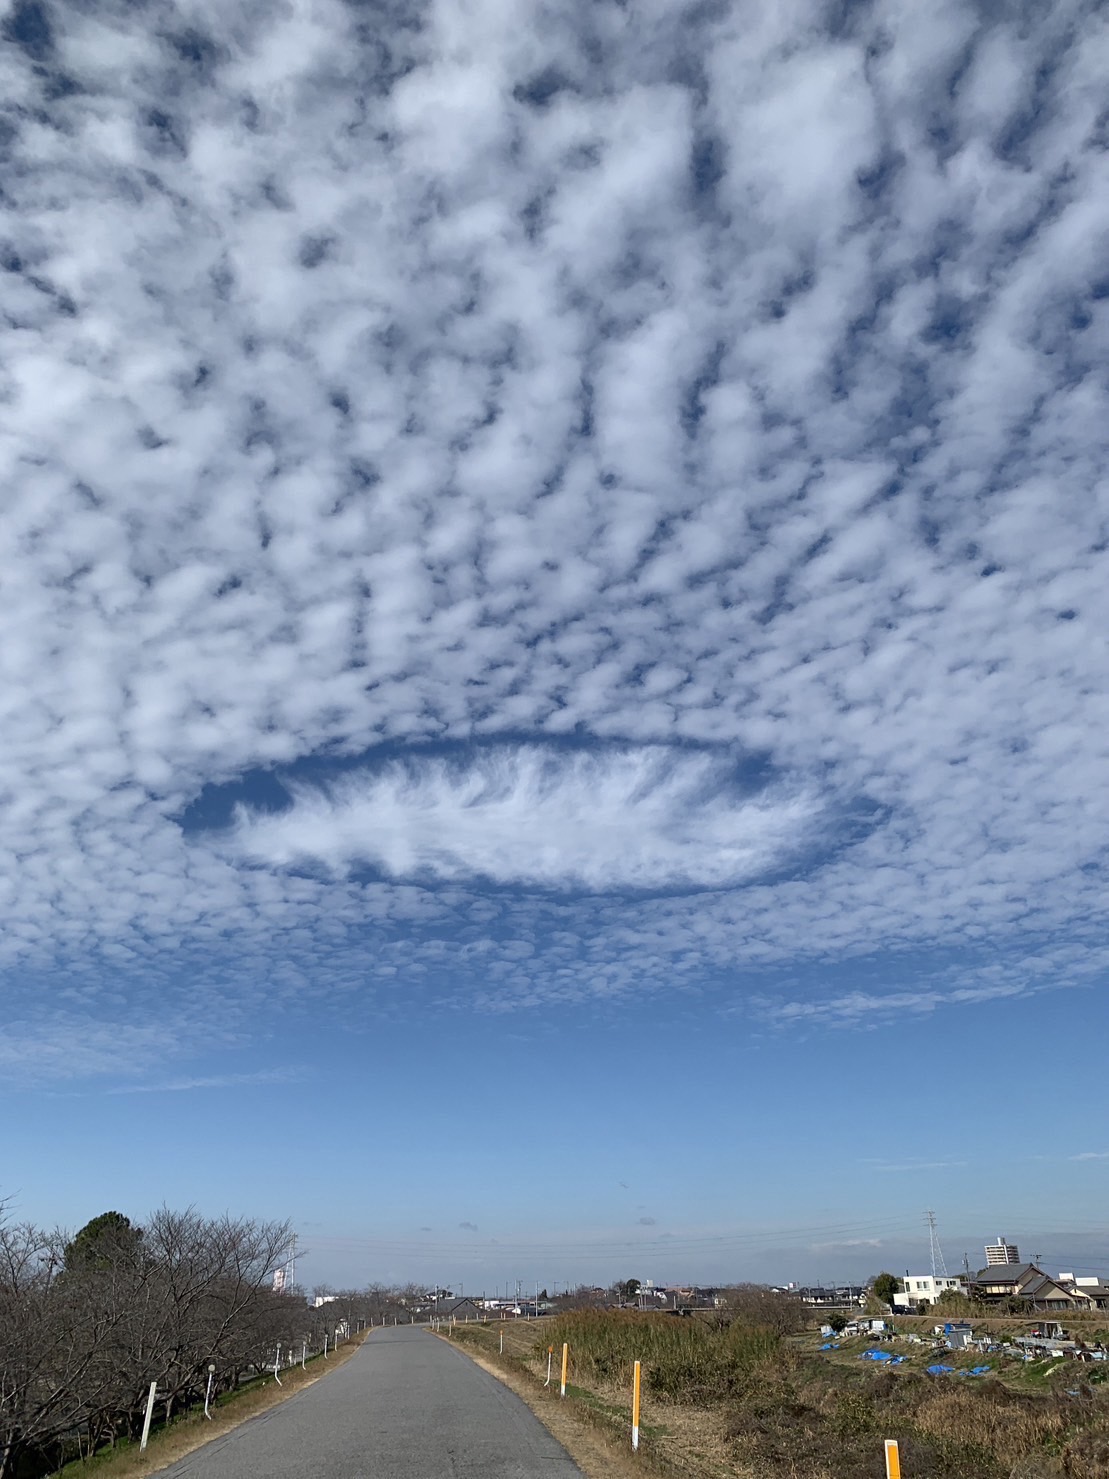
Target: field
{"x":741,"y":1400}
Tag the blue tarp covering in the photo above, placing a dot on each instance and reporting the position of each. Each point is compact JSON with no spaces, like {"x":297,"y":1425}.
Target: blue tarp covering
{"x":882,"y":1356}
{"x":973,"y":1371}
{"x":830,"y":1345}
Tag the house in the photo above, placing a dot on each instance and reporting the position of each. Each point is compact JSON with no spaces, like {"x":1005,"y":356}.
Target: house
{"x":1088,"y":1293}
{"x":1023,"y":1282}
{"x":843,"y":1294}
{"x":925,"y":1289}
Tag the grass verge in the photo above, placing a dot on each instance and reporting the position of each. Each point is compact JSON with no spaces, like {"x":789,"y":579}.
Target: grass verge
{"x":595,"y":1427}
{"x":192,"y":1430}
{"x":719,"y":1401}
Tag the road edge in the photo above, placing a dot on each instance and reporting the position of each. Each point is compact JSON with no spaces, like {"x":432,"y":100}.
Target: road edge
{"x":592,"y":1447}
{"x":187,"y":1439}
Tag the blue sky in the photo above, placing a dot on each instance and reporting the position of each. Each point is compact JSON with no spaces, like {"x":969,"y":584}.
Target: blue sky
{"x":553,"y":698}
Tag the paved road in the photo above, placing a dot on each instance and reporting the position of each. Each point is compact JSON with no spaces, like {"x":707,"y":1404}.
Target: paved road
{"x":405,"y":1406}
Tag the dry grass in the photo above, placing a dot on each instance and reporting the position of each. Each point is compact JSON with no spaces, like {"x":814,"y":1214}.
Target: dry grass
{"x":677,"y":1438}
{"x":193,"y":1430}
{"x":785,"y":1413}
{"x":684,"y":1361}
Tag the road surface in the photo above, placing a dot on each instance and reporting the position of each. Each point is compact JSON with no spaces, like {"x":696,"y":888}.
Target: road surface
{"x":406,"y":1406}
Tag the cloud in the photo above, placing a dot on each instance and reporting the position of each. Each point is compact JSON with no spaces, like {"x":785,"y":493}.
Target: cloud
{"x":625,"y":818}
{"x":682,"y":386}
{"x":844,"y":1244}
{"x":468,"y":1226}
{"x":218,"y":1081}
{"x":911,"y":1165}
{"x":1090,"y":1155}
{"x":646,"y":1222}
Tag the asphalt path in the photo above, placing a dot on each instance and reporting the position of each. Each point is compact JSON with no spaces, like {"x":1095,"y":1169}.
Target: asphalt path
{"x":405,"y":1406}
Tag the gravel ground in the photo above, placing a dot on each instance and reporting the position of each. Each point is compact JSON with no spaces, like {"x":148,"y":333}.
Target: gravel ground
{"x":407,"y":1406}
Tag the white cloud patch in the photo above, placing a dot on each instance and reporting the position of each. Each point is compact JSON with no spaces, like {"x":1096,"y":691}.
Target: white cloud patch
{"x":642,"y":818}
{"x":219,"y":1081}
{"x":844,"y":1244}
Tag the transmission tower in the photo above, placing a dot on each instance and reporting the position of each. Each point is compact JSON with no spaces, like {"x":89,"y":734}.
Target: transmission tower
{"x":934,"y":1244}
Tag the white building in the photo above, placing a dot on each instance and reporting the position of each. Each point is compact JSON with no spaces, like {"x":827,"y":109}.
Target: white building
{"x":1001,"y":1252}
{"x":924,"y":1289}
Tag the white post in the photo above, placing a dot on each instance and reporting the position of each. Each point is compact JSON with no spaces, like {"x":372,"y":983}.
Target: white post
{"x":502,"y":1340}
{"x":325,"y":1345}
{"x":303,"y":1355}
{"x":635,"y":1408}
{"x":149,"y":1415}
{"x":208,"y":1393}
{"x":276,"y":1365}
{"x":550,"y":1358}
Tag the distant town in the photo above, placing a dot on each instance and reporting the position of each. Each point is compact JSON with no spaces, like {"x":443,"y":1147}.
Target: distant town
{"x":1005,"y":1282}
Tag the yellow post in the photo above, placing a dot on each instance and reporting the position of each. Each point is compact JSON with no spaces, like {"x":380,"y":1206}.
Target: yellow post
{"x":565,"y":1366}
{"x":893,"y":1459}
{"x":635,"y":1409}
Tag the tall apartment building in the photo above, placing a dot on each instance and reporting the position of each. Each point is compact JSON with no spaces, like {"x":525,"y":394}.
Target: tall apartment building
{"x":1001,"y":1252}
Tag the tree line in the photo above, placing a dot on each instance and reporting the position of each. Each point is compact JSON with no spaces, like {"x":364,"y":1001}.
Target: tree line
{"x":88,"y":1322}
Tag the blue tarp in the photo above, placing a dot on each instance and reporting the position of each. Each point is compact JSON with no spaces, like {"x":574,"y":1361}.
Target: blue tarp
{"x":973,"y":1371}
{"x":830,"y":1345}
{"x":884,"y":1356}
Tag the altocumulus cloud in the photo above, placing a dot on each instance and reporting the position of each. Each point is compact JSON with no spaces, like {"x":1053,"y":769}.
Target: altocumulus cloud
{"x":664,"y":376}
{"x":639,"y":818}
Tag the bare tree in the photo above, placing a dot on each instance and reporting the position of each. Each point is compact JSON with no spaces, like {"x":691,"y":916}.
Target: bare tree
{"x":87,"y":1323}
{"x":755,"y":1304}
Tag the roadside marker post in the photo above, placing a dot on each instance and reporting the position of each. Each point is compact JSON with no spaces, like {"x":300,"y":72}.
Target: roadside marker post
{"x":893,"y":1459}
{"x":276,"y":1366}
{"x":303,"y":1354}
{"x":208,"y":1392}
{"x":146,"y":1420}
{"x":636,"y":1381}
{"x":502,"y":1340}
{"x":550,"y":1358}
{"x":325,"y":1345}
{"x":565,"y":1366}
